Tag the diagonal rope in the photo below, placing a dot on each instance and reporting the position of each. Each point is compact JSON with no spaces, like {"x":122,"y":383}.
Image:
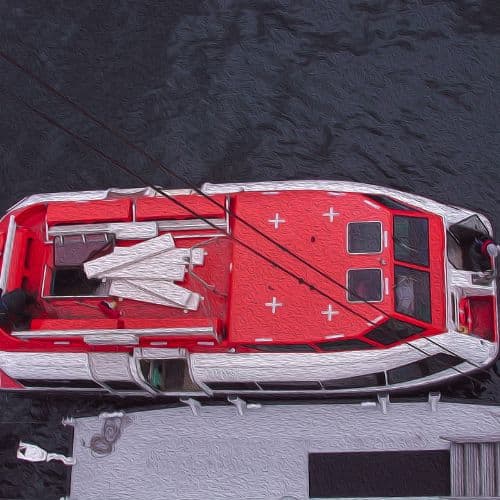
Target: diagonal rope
{"x":183,"y":179}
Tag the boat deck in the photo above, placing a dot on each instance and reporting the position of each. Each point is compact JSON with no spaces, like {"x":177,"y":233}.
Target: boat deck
{"x":270,"y":452}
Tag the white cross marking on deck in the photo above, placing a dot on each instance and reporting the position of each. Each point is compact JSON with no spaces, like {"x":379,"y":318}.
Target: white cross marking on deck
{"x":329,"y":312}
{"x":276,"y":221}
{"x":330,"y":214}
{"x":273,"y":305}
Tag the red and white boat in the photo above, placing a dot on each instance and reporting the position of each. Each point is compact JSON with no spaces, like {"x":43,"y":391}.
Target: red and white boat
{"x":344,"y":288}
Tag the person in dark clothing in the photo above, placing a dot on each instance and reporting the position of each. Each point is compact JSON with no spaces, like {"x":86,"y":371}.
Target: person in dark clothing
{"x":15,"y":308}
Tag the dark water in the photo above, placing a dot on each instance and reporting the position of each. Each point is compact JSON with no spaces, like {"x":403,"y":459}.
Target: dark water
{"x":402,"y":93}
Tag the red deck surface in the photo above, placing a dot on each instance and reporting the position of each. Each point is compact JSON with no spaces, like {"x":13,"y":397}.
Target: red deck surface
{"x":310,"y":231}
{"x":312,"y":224}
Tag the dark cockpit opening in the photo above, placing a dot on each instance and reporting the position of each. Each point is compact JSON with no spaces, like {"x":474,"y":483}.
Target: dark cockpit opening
{"x":464,"y":245}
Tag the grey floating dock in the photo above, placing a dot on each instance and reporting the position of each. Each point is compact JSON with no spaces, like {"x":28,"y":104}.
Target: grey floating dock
{"x":231,"y":452}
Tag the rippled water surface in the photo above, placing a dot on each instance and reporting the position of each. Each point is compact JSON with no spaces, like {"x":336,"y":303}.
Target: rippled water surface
{"x":402,"y":93}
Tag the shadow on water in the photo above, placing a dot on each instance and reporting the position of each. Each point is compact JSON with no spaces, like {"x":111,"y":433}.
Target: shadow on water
{"x":401,"y":93}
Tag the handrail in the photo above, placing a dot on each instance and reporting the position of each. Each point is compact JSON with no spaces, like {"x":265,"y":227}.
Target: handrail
{"x":149,"y":332}
{"x":7,"y":255}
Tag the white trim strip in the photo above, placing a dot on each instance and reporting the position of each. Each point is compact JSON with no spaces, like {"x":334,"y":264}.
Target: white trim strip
{"x":265,"y":339}
{"x":371,"y":204}
{"x":385,"y":239}
{"x":386,"y":285}
{"x":336,"y":336}
{"x":7,"y":255}
{"x":156,"y":332}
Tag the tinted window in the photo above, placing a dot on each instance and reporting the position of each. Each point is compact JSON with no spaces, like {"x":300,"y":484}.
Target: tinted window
{"x":389,"y":202}
{"x":412,"y":293}
{"x":364,"y":237}
{"x":369,"y":380}
{"x":123,"y":385}
{"x":364,"y":284}
{"x":344,"y":345}
{"x":411,"y":240}
{"x":381,"y":474}
{"x":281,"y":347}
{"x":73,"y":384}
{"x":233,"y":386}
{"x":393,"y":330}
{"x":290,"y":386}
{"x":423,"y":368}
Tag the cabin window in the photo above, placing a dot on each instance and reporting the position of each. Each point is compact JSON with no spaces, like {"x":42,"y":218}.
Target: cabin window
{"x":364,"y":285}
{"x":123,"y":385}
{"x":422,"y":368}
{"x":281,"y":347}
{"x":412,"y":293}
{"x":411,"y":240}
{"x":364,"y":237}
{"x":290,"y":386}
{"x":393,"y":330}
{"x":344,"y":345}
{"x":369,"y":380}
{"x":233,"y":386}
{"x":389,"y":202}
{"x":49,"y":383}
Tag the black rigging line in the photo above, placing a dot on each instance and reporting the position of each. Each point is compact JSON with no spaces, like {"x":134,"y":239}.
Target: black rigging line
{"x":195,"y":188}
{"x":126,"y":169}
{"x":184,"y":180}
{"x":300,"y":280}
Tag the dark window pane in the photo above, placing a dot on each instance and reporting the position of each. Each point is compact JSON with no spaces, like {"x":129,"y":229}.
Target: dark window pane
{"x":123,"y":385}
{"x":369,"y":380}
{"x":290,"y":386}
{"x":344,"y":345}
{"x":233,"y":386}
{"x":412,"y":293}
{"x":411,"y":240}
{"x":390,"y":203}
{"x":364,"y":284}
{"x":416,"y":474}
{"x":423,"y":368}
{"x":281,"y":347}
{"x":393,"y":330}
{"x":74,"y":384}
{"x":364,"y":237}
